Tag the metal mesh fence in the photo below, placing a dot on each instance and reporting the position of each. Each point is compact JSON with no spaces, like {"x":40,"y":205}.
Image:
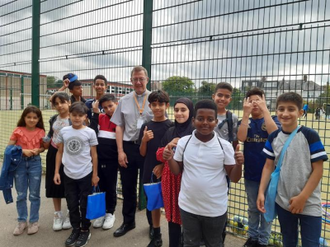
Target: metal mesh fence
{"x":278,"y":45}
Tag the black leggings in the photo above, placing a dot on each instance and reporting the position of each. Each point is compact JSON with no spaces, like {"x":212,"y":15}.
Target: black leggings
{"x":174,"y":232}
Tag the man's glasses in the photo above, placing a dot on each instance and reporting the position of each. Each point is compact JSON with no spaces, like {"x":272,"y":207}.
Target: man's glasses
{"x":139,"y":79}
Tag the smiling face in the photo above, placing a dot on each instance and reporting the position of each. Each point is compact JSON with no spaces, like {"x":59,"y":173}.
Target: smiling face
{"x":222,"y":98}
{"x":204,"y":122}
{"x":181,"y":113}
{"x":100,"y":86}
{"x":139,"y":81}
{"x":31,"y":119}
{"x":158,"y":109}
{"x":288,"y":114}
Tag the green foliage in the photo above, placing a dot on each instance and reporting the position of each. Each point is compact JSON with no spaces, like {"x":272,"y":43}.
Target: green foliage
{"x":54,"y":82}
{"x":324,"y":97}
{"x":178,"y":85}
{"x":207,"y":88}
{"x":237,"y":99}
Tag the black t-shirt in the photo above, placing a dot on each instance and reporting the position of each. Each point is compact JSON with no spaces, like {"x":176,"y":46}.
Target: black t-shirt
{"x":150,"y":161}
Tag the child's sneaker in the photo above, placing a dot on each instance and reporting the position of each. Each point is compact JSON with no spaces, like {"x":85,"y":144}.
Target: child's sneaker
{"x":98,"y":222}
{"x":109,"y":220}
{"x":33,"y":228}
{"x":71,"y":240}
{"x":19,"y":229}
{"x":251,"y":243}
{"x":57,"y":223}
{"x":83,"y":238}
{"x":66,"y":223}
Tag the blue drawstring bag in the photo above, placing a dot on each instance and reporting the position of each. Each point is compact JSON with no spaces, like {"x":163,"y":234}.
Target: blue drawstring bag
{"x":95,"y":204}
{"x":270,"y":213}
{"x":154,"y":195}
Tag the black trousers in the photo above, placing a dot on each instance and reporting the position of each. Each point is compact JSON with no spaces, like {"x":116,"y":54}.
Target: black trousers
{"x":76,"y":193}
{"x":129,"y":177}
{"x":108,"y":173}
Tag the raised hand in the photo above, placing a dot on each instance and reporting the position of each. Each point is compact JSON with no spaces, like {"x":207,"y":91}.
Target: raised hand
{"x":95,"y":106}
{"x":247,"y":106}
{"x":239,"y":157}
{"x":147,"y":135}
{"x":262,"y":103}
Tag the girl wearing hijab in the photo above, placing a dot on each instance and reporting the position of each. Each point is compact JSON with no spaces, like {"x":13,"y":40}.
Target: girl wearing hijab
{"x":183,"y":113}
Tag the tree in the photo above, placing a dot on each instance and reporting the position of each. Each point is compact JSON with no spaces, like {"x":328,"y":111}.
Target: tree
{"x":54,"y":82}
{"x":237,"y":99}
{"x":207,"y":88}
{"x":178,"y":86}
{"x":325,"y":96}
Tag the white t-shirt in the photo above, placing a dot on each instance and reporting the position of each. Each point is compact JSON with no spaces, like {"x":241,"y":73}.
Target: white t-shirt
{"x":77,"y":158}
{"x":204,"y":185}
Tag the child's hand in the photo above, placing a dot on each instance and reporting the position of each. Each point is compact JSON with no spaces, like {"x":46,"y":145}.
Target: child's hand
{"x":297,"y":204}
{"x":168,"y":153}
{"x":95,"y":180}
{"x":158,"y":169}
{"x":173,"y":143}
{"x":262,"y":103}
{"x":95,"y":106}
{"x":57,"y":179}
{"x":247,"y":106}
{"x":122,"y":159}
{"x":261,"y":203}
{"x":147,"y":135}
{"x":66,"y":83}
{"x":239,"y":157}
{"x":28,"y":152}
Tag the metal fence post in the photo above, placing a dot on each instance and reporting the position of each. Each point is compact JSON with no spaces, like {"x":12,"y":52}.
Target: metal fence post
{"x":146,"y":63}
{"x":35,"y":52}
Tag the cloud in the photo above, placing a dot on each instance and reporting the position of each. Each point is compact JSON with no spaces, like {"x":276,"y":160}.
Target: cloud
{"x":203,"y":40}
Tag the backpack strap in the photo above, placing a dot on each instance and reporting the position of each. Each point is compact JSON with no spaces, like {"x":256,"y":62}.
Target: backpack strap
{"x":184,"y":149}
{"x":229,"y":116}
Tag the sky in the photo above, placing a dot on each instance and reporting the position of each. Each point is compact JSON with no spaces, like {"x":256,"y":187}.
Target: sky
{"x":211,"y":40}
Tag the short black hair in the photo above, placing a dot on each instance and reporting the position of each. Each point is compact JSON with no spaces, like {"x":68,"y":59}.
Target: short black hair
{"x":79,"y":108}
{"x":63,"y":96}
{"x":223,"y":85}
{"x":160,"y":95}
{"x":290,"y":97}
{"x":100,"y":77}
{"x":205,"y":104}
{"x":74,"y":83}
{"x":254,"y":91}
{"x":107,"y":97}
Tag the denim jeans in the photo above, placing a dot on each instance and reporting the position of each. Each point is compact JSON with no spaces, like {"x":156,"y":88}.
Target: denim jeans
{"x":310,"y":227}
{"x":76,"y":193}
{"x":197,"y":227}
{"x":259,"y":228}
{"x":28,"y":176}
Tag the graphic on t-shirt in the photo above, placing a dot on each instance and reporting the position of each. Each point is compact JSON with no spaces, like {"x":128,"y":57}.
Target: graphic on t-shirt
{"x":74,"y":145}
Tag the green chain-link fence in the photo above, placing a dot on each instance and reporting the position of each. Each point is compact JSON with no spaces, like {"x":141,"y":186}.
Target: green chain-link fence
{"x":187,"y":46}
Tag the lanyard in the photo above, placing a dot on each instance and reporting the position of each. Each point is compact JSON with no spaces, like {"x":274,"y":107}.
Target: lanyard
{"x":137,"y":104}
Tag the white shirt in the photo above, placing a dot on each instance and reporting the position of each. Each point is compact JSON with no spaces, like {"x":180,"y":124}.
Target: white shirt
{"x":204,"y":186}
{"x":77,"y":145}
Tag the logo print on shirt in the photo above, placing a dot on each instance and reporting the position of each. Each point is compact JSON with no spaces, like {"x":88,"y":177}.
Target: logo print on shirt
{"x":74,"y":145}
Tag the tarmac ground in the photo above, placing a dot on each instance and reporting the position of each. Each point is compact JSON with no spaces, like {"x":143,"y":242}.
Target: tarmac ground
{"x":100,"y":238}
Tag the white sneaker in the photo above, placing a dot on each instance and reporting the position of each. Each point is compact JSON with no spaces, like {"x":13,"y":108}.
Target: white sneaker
{"x":66,"y":223}
{"x":57,"y":223}
{"x":98,"y":222}
{"x":109,"y":221}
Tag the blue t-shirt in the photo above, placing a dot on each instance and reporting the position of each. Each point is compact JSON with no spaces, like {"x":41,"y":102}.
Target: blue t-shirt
{"x":255,"y":141}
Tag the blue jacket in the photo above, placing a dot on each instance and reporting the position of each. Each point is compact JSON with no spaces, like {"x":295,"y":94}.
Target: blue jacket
{"x":12,"y":157}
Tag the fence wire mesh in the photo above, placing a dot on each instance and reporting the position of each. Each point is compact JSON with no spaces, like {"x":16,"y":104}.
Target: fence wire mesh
{"x":277,"y":45}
